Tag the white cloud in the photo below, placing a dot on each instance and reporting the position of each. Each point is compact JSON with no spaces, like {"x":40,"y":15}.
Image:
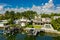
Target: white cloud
{"x":1,"y":7}
{"x":47,"y":8}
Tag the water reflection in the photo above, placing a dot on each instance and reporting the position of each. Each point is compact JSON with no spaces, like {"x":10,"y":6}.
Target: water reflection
{"x":56,"y":38}
{"x":19,"y":36}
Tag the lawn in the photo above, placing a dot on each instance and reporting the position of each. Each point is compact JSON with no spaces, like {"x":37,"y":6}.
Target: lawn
{"x":37,"y":26}
{"x":30,"y":26}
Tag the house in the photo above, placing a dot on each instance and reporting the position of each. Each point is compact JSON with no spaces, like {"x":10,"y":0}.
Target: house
{"x":46,"y":20}
{"x":37,"y":20}
{"x":2,"y":22}
{"x":2,"y":26}
{"x":38,"y":17}
{"x":23,"y":21}
{"x":16,"y":21}
{"x":56,"y":17}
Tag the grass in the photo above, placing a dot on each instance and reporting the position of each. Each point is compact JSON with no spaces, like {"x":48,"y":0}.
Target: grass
{"x":34,"y":26}
{"x":30,"y":26}
{"x":37,"y":26}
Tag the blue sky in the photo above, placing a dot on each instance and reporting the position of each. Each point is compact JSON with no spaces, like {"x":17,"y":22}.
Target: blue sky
{"x":26,"y":3}
{"x":39,"y":6}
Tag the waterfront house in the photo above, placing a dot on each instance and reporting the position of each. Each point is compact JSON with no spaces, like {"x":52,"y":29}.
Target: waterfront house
{"x":16,"y":21}
{"x":23,"y":21}
{"x":37,"y":20}
{"x":46,"y":20}
{"x":2,"y":22}
{"x":2,"y":26}
{"x":56,"y":17}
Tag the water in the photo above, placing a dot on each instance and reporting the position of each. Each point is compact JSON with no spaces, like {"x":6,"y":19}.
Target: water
{"x":2,"y":37}
{"x":26,"y":37}
{"x":41,"y":36}
{"x":44,"y":38}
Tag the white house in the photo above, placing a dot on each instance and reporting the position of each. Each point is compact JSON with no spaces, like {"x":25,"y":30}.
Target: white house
{"x":37,"y":20}
{"x":56,"y":17}
{"x":1,"y":25}
{"x":23,"y":21}
{"x":16,"y":21}
{"x":48,"y":20}
{"x":38,"y":17}
{"x":2,"y":22}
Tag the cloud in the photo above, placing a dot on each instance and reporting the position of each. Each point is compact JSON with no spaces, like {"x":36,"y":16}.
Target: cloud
{"x":47,"y":8}
{"x":1,"y":7}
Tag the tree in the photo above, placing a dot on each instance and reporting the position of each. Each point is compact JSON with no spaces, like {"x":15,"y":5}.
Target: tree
{"x":7,"y":15}
{"x":56,"y":24}
{"x":28,"y":14}
{"x":17,"y":15}
{"x":45,"y":15}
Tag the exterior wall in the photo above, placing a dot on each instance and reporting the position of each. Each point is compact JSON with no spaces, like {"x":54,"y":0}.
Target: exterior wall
{"x":46,"y":20}
{"x":2,"y":27}
{"x":16,"y":21}
{"x":38,"y":17}
{"x":3,"y":21}
{"x":22,"y":24}
{"x":56,"y":17}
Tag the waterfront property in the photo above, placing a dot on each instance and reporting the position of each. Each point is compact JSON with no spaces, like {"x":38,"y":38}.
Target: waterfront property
{"x":38,"y":23}
{"x":46,"y":20}
{"x":2,"y":25}
{"x":45,"y":28}
{"x":2,"y":28}
{"x":56,"y":17}
{"x":2,"y":22}
{"x":38,"y":20}
{"x":22,"y":22}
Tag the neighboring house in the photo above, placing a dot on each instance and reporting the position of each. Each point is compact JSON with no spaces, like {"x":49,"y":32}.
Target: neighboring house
{"x":37,"y":20}
{"x":16,"y":21}
{"x":41,"y":21}
{"x":23,"y":21}
{"x":46,"y":20}
{"x":56,"y":17}
{"x":2,"y":26}
{"x":38,"y":17}
{"x":2,"y":22}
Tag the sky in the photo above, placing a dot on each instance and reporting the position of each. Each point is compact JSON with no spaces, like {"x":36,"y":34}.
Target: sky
{"x":46,"y":6}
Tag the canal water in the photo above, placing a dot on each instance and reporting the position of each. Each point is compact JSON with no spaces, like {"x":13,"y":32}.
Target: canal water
{"x":26,"y":37}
